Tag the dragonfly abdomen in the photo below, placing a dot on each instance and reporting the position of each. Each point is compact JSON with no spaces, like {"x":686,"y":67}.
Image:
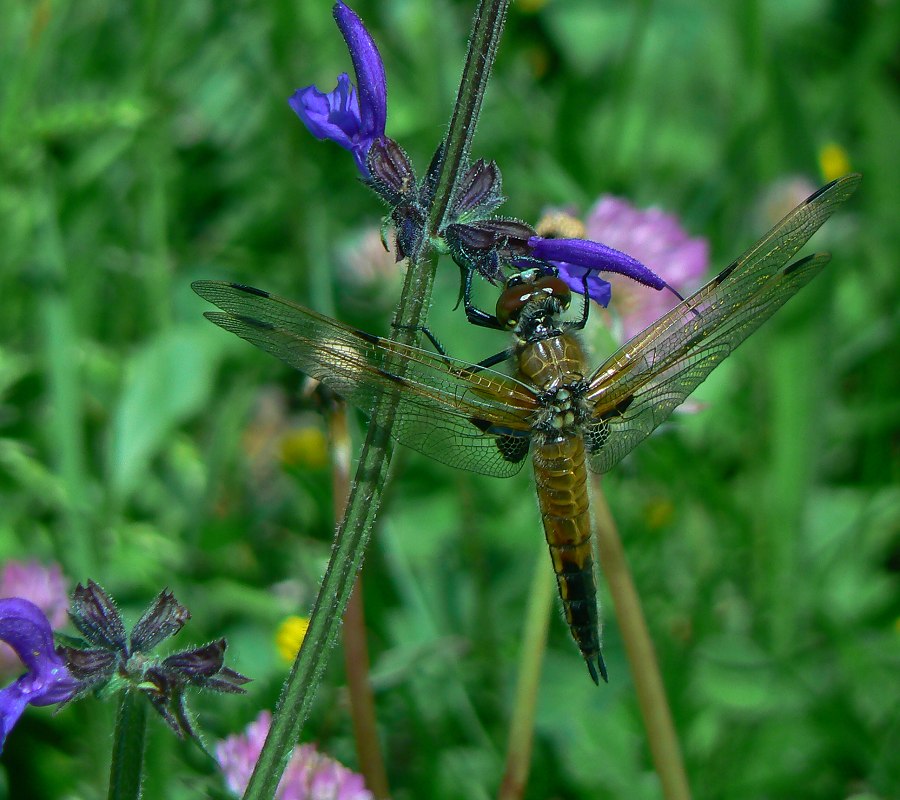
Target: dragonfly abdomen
{"x":561,"y":479}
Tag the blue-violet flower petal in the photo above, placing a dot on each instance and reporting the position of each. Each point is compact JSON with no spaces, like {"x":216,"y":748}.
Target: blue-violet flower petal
{"x":576,"y":258}
{"x":599,"y":290}
{"x":369,"y":69}
{"x":24,"y":627}
{"x":350,"y":117}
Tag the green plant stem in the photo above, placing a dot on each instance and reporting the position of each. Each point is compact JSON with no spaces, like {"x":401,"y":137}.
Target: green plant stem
{"x":534,"y":643}
{"x":366,"y":493}
{"x":487,"y":27}
{"x":126,"y":770}
{"x":648,"y":682}
{"x":356,"y":652}
{"x":346,"y":558}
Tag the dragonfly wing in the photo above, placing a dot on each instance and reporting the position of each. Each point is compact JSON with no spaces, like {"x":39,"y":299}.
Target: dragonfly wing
{"x":639,"y":386}
{"x":445,"y":408}
{"x":610,"y":439}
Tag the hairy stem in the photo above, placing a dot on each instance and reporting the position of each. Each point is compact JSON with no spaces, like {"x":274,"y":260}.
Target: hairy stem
{"x":487,"y":28}
{"x":127,"y":767}
{"x":356,"y":653}
{"x":366,"y":493}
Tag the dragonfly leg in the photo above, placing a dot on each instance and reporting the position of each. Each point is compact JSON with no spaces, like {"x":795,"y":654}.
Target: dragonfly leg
{"x":579,"y":324}
{"x":497,"y":358}
{"x":475,"y":315}
{"x":490,"y":361}
{"x":422,"y":329}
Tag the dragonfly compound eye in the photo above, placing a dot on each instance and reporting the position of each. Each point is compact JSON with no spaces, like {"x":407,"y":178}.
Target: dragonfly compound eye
{"x":511,"y":302}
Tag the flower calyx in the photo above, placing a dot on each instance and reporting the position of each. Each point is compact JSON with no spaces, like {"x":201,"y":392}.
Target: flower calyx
{"x":392,"y":177}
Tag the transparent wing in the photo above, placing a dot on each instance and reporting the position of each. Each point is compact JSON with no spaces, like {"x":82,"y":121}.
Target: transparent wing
{"x":446,"y":409}
{"x":639,"y":386}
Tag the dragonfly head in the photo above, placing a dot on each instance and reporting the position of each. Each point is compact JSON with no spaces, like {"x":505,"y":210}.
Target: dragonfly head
{"x":542,"y":294}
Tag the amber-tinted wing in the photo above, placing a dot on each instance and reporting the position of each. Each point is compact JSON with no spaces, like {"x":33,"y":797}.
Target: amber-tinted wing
{"x":446,"y":410}
{"x":637,"y":389}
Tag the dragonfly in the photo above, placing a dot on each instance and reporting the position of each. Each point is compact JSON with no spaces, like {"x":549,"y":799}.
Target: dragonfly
{"x":569,"y":417}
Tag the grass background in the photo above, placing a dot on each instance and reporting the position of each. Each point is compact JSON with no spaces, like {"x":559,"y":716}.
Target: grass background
{"x":145,"y":145}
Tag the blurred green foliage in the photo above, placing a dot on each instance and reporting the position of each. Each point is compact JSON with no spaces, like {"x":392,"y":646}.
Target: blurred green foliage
{"x":143,"y":145}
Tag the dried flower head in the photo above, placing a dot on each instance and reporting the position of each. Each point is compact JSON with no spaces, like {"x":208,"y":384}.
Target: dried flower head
{"x":118,"y":662}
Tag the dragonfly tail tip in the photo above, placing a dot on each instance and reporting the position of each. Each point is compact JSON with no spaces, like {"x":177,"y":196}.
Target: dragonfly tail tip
{"x":598,"y":671}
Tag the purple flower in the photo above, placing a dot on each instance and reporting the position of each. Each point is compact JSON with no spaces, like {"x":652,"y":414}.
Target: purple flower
{"x":309,"y":774}
{"x":24,"y":627}
{"x":353,"y":119}
{"x":660,"y":242}
{"x":43,"y":586}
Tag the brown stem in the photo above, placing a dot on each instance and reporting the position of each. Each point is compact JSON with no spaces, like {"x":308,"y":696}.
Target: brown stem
{"x":534,"y":643}
{"x":356,"y":653}
{"x":648,"y":682}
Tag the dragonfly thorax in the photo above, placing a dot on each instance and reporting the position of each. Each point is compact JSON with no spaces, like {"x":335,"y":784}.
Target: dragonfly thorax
{"x":556,"y":367}
{"x":562,"y":410}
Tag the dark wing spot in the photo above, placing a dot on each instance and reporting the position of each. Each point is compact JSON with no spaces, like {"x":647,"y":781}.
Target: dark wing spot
{"x":513,"y":446}
{"x":597,"y":433}
{"x":486,"y":426}
{"x":482,"y":424}
{"x":725,"y":273}
{"x":253,"y":322}
{"x":819,"y":191}
{"x":596,"y":436}
{"x":249,"y":290}
{"x":797,"y":264}
{"x":371,"y":338}
{"x":619,"y":408}
{"x":395,"y":378}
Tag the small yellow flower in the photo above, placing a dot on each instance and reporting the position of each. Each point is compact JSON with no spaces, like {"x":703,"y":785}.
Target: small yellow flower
{"x":833,"y":161}
{"x":305,"y":447}
{"x":289,"y":637}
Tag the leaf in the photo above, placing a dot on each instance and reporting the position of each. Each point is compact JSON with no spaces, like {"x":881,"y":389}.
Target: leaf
{"x":167,"y":382}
